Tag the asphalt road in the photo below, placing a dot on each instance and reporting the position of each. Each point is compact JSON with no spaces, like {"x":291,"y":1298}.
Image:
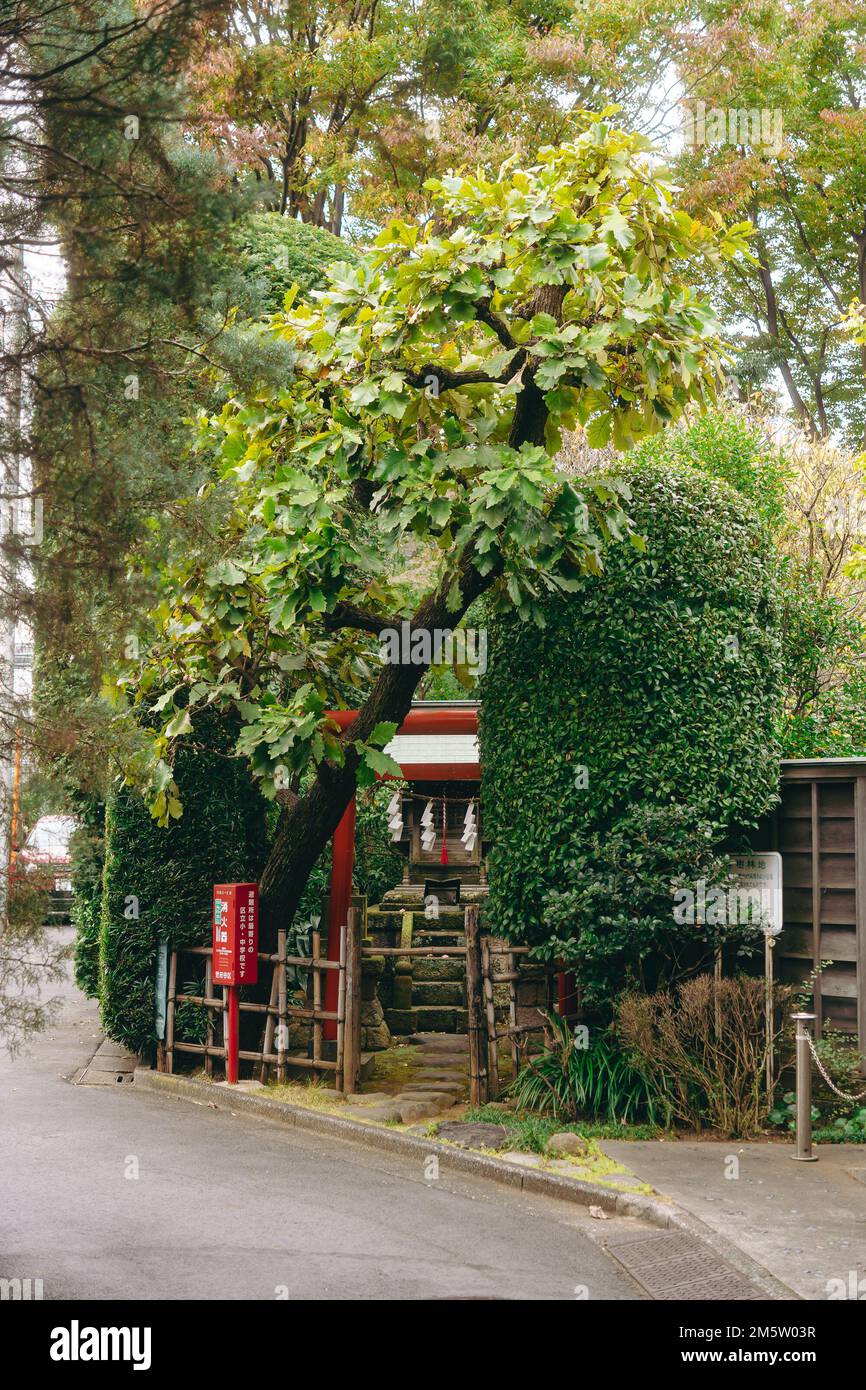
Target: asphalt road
{"x":105,"y":1193}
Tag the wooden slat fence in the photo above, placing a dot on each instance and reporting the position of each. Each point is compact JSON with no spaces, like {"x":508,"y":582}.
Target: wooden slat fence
{"x":273,"y":1056}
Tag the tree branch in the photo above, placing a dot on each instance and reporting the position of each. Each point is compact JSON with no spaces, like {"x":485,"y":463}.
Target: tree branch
{"x":363,"y":619}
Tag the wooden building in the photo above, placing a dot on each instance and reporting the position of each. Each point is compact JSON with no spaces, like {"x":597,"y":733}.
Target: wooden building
{"x":820,"y":830}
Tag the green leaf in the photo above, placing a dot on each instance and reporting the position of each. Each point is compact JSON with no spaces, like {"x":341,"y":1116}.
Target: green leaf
{"x":380,"y":762}
{"x":181,"y":724}
{"x":383,"y":732}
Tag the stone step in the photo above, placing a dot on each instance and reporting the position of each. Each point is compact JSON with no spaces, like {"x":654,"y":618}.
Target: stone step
{"x":434,"y":1041}
{"x":392,"y":919}
{"x":438,"y":992}
{"x":439,"y":968}
{"x":412,"y":894}
{"x":425,"y":937}
{"x":429,"y":1018}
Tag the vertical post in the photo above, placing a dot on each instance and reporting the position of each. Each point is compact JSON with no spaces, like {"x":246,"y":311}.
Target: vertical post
{"x":282,"y":1001}
{"x":769,"y":943}
{"x":490,"y":1010}
{"x":474,"y":1006}
{"x":270,"y":1024}
{"x":804,"y":1091}
{"x":10,"y":489}
{"x":565,"y":993}
{"x":352,"y":1028}
{"x":341,"y":1015}
{"x":717,"y":1005}
{"x":513,"y":969}
{"x":208,"y":994}
{"x":317,"y":998}
{"x":340,"y":901}
{"x":232,"y":1041}
{"x":816,"y":910}
{"x":169,"y":1012}
{"x":161,"y":1002}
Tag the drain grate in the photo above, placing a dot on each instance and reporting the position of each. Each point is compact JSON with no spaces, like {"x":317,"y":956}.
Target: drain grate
{"x":674,"y":1265}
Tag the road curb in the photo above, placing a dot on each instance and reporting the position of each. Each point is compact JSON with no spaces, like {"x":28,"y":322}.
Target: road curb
{"x":664,"y":1214}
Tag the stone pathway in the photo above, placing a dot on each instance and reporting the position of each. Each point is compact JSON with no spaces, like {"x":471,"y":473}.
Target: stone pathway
{"x":442,"y":1080}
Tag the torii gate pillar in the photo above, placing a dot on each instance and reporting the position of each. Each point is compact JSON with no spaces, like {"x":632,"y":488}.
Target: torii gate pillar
{"x":338,"y":907}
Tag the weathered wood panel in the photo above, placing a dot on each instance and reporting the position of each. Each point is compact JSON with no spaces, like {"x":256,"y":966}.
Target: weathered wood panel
{"x":820,"y":831}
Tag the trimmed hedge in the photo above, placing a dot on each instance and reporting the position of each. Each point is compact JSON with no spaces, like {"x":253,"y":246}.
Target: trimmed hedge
{"x":221,"y":837}
{"x":278,"y":252}
{"x":86,"y":867}
{"x":636,"y":679}
{"x":729,"y":447}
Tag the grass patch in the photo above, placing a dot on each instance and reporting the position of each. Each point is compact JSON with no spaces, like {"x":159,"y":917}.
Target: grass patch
{"x":312,"y":1095}
{"x":531,"y":1132}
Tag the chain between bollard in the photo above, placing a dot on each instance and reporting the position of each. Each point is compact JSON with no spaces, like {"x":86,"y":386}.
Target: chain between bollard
{"x":861,"y":1095}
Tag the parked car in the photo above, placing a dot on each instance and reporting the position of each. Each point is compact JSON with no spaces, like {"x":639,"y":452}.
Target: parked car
{"x":47,"y":847}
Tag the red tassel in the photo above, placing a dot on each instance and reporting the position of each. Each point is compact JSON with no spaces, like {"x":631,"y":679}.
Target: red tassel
{"x":443,"y":858}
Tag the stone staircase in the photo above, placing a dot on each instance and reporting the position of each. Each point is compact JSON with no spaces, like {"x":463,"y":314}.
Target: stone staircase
{"x":422,"y":994}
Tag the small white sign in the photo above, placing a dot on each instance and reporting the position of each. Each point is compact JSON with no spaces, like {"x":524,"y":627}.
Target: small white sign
{"x":760,"y":876}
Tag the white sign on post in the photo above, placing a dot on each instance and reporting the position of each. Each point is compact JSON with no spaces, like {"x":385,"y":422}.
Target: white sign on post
{"x":759,"y":885}
{"x":760,"y":877}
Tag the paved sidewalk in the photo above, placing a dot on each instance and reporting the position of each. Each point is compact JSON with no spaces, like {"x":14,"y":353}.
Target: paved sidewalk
{"x":804,"y":1222}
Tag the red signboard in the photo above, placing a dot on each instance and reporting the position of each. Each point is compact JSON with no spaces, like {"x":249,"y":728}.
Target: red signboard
{"x":235,"y":933}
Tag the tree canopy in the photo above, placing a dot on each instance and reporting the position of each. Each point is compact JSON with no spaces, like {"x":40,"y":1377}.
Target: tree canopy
{"x":431,"y":385}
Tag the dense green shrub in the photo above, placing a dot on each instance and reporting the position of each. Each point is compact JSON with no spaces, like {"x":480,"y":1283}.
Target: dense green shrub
{"x":614,"y":917}
{"x":277,"y":252}
{"x":86,"y":856}
{"x":727,"y":446}
{"x":570,"y":1081}
{"x":158,"y":882}
{"x":654,"y":684}
{"x":823,"y":714}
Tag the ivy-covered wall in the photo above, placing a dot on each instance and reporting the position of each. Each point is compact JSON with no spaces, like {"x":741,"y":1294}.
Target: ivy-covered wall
{"x":653,"y":685}
{"x":86,"y":869}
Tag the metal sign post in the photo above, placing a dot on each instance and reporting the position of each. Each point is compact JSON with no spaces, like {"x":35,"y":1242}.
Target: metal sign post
{"x":759,"y":887}
{"x":235,"y":955}
{"x":769,"y":943}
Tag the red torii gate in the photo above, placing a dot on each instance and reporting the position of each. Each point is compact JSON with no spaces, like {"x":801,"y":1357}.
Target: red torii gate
{"x":418,"y":722}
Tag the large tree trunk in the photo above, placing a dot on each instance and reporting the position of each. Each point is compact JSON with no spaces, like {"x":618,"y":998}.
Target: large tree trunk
{"x":307,"y":825}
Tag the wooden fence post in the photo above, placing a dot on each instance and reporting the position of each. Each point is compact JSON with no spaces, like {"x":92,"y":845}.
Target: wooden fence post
{"x":475,"y":1009}
{"x":317,"y":997}
{"x":487,"y":968}
{"x":339,"y":1078}
{"x":270,"y":1026}
{"x":352,"y":1026}
{"x":282,"y":1003}
{"x":208,"y":994}
{"x":169,"y":1012}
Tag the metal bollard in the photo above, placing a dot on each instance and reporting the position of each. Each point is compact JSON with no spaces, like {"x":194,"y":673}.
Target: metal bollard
{"x":804,"y":1091}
